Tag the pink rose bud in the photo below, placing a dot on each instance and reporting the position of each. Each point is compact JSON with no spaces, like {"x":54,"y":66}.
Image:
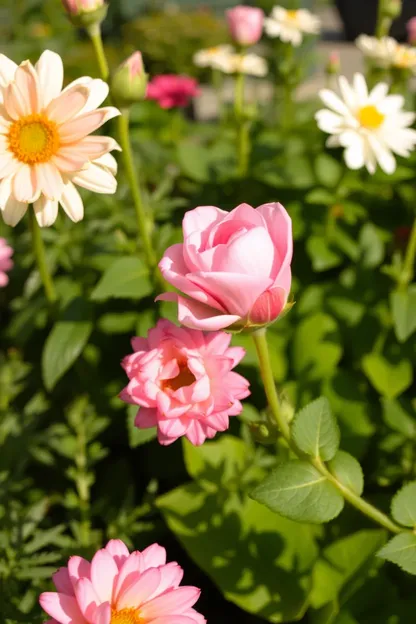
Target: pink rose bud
{"x":129,"y":82}
{"x":85,"y":13}
{"x":6,"y":262}
{"x":117,"y":585}
{"x":333,"y":65}
{"x":233,"y":267}
{"x":184,"y":382}
{"x":245,"y":24}
{"x":411,"y":31}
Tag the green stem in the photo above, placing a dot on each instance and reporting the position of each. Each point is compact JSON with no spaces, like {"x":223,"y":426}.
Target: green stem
{"x":407,"y":273}
{"x":243,"y":129}
{"x":260,"y":341}
{"x":94,"y":33}
{"x":142,"y":220}
{"x":40,"y":257}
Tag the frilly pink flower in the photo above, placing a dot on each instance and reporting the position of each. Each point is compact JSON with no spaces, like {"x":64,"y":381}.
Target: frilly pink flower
{"x":6,"y":263}
{"x":119,"y":587}
{"x":245,"y":24}
{"x":233,"y":267}
{"x":172,"y":91}
{"x":184,"y":383}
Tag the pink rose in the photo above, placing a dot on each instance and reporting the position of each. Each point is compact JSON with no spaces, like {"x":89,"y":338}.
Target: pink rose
{"x":411,"y":31}
{"x":233,"y":266}
{"x":6,"y":263}
{"x":121,"y":587}
{"x":172,"y":91}
{"x":184,"y":383}
{"x":245,"y":24}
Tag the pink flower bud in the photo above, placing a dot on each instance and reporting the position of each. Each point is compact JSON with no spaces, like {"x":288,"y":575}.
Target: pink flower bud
{"x":268,"y":306}
{"x":129,"y":82}
{"x":75,"y":7}
{"x":6,"y":262}
{"x":334,"y":64}
{"x":411,"y":31}
{"x":245,"y":24}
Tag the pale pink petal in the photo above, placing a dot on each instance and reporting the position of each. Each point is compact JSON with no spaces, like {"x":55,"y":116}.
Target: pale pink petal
{"x":67,"y":105}
{"x":25,"y":185}
{"x":238,"y":256}
{"x":87,"y":123}
{"x":196,"y":433}
{"x":138,"y":592}
{"x":50,"y":75}
{"x":129,"y":572}
{"x":146,"y":418}
{"x":61,"y":607}
{"x":93,"y":147}
{"x":15,"y":102}
{"x":103,"y":572}
{"x":175,"y":619}
{"x":46,"y":211}
{"x":172,"y":427}
{"x":96,"y":179}
{"x":72,"y":203}
{"x":201,"y":218}
{"x":171,"y":603}
{"x":102,"y":614}
{"x":98,"y":91}
{"x":78,"y":567}
{"x":153,"y":556}
{"x":172,"y":575}
{"x":26,"y":80}
{"x":9,"y":165}
{"x":279,"y":226}
{"x":49,"y":179}
{"x":196,"y":315}
{"x":13,"y":211}
{"x":118,"y":550}
{"x":63,"y":582}
{"x":7,"y":70}
{"x":108,"y":161}
{"x":87,"y":597}
{"x":68,"y":160}
{"x":268,"y":306}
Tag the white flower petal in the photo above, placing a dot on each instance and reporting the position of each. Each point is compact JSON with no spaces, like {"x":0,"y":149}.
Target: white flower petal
{"x":7,"y":70}
{"x":71,"y":202}
{"x":46,"y":211}
{"x":25,"y":184}
{"x":13,"y":211}
{"x":50,"y":74}
{"x":98,"y":91}
{"x":108,"y":161}
{"x":96,"y":179}
{"x":333,"y":101}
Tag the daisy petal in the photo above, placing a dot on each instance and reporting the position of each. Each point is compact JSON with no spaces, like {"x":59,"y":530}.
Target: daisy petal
{"x":68,"y":104}
{"x":13,"y":211}
{"x":46,"y":211}
{"x":96,"y":179}
{"x":50,"y":75}
{"x":72,"y":203}
{"x":79,"y":127}
{"x":25,"y":184}
{"x":7,"y":70}
{"x":98,"y":91}
{"x":49,"y":180}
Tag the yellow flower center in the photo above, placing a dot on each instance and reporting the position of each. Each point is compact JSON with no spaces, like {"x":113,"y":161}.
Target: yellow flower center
{"x":405,"y":58}
{"x":33,"y":139}
{"x":370,"y":118}
{"x":183,"y":378}
{"x":292,"y":15}
{"x":126,"y":616}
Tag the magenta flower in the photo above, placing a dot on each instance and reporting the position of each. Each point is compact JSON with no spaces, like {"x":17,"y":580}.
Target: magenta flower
{"x":245,"y":24}
{"x":184,"y":382}
{"x":6,"y":262}
{"x":233,"y":266}
{"x":119,"y":587}
{"x":172,"y":91}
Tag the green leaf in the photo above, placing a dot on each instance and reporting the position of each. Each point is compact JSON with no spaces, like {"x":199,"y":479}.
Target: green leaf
{"x":403,"y":307}
{"x":371,"y":246}
{"x":401,"y":549}
{"x":320,"y":196}
{"x":403,"y":506}
{"x":328,"y":170}
{"x":137,"y":436}
{"x":296,"y":490}
{"x":316,"y":347}
{"x":261,"y":562}
{"x":390,"y":379}
{"x":126,"y":278}
{"x":194,"y":160}
{"x":315,"y":430}
{"x":347,"y":471}
{"x":322,"y":255}
{"x":398,"y":419}
{"x":66,"y":342}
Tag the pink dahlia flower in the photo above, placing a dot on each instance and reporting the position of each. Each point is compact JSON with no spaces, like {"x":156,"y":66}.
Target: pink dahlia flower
{"x":184,"y":382}
{"x":172,"y":91}
{"x":233,"y":266}
{"x":119,"y":587}
{"x":6,"y":262}
{"x":245,"y":24}
{"x":46,"y":150}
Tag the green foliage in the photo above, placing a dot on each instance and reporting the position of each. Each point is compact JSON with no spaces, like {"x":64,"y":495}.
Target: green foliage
{"x":401,"y":550}
{"x":403,"y":305}
{"x":315,"y":430}
{"x":296,"y":490}
{"x":347,"y":470}
{"x":403,"y":506}
{"x":389,"y":378}
{"x":125,"y":278}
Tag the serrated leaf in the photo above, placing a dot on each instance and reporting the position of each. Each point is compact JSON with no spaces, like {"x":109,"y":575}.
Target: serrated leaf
{"x":390,"y":379}
{"x":347,"y":471}
{"x":126,"y":278}
{"x":401,"y":550}
{"x":66,"y":342}
{"x":403,"y":506}
{"x":315,"y":430}
{"x":296,"y":490}
{"x":403,"y":307}
{"x":397,"y":419}
{"x":137,"y":436}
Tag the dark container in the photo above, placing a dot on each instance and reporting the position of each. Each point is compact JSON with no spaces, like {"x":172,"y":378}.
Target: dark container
{"x":359,"y":16}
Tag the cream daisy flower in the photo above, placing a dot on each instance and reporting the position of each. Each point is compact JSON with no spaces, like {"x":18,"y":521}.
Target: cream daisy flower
{"x":371,"y":126}
{"x":291,"y":26}
{"x":249,"y":64}
{"x":387,"y":52}
{"x":45,"y":147}
{"x":215,"y":58}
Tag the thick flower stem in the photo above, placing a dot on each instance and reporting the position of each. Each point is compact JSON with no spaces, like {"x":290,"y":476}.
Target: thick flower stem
{"x":94,"y":33}
{"x":39,"y":252}
{"x":407,"y":273}
{"x":143,"y":222}
{"x":260,"y":341}
{"x":243,"y":134}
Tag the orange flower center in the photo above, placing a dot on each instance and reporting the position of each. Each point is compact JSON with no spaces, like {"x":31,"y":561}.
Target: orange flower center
{"x":370,"y":118}
{"x":33,"y":139}
{"x":292,"y":15}
{"x":405,"y":58}
{"x":126,"y":616}
{"x":183,"y":378}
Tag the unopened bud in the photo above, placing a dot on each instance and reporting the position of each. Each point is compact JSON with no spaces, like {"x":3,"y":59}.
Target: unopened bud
{"x":85,"y":13}
{"x":333,"y":65}
{"x":129,"y":81}
{"x":264,"y":433}
{"x":392,"y":8}
{"x":411,"y":31}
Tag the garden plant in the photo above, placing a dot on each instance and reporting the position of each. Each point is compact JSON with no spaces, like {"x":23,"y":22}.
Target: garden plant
{"x":207,"y":406}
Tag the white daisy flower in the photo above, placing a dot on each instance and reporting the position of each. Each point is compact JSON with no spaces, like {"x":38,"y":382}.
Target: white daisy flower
{"x":371,"y":126}
{"x":387,"y":52}
{"x":45,"y":145}
{"x":215,"y":58}
{"x":291,"y":26}
{"x":249,"y":64}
